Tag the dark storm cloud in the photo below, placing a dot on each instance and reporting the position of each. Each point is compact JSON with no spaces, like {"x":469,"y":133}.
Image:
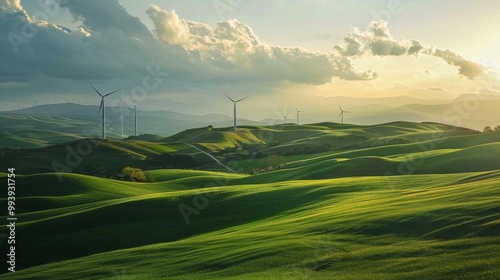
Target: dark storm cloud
{"x":105,"y":15}
{"x":112,"y":44}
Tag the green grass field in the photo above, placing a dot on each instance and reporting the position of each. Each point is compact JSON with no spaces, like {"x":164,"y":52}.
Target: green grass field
{"x":425,"y":207}
{"x":406,"y":227}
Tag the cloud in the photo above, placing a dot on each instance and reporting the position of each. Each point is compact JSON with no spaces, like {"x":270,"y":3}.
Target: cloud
{"x":466,"y":68}
{"x":378,"y":41}
{"x":169,"y":27}
{"x":101,"y":15}
{"x":232,"y":46}
{"x":100,"y":49}
{"x":13,"y":5}
{"x":435,"y":88}
{"x":415,"y":47}
{"x":112,"y":44}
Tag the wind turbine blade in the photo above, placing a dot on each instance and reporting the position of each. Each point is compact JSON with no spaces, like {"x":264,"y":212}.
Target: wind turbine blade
{"x":131,"y":112}
{"x":133,"y":109}
{"x":341,"y":108}
{"x":100,"y":107}
{"x":229,"y":97}
{"x":240,"y":99}
{"x":340,"y":115}
{"x":96,"y":90}
{"x":112,"y":92}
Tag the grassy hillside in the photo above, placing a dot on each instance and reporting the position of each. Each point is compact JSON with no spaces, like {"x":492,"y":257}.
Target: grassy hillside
{"x":286,"y":137}
{"x":391,"y":201}
{"x":19,"y":131}
{"x":346,"y":228}
{"x":427,"y":149}
{"x":97,"y":157}
{"x":317,"y":151}
{"x":34,"y":138}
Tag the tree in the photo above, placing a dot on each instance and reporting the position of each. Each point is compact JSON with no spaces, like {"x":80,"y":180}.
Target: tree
{"x":487,"y":129}
{"x":134,"y":174}
{"x":275,"y":161}
{"x":497,"y":128}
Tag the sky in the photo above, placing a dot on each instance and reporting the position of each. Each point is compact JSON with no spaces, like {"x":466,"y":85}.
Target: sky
{"x":184,"y":56}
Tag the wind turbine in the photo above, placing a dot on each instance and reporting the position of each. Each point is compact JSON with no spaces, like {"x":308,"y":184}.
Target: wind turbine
{"x":341,"y":115}
{"x":121,"y":118}
{"x":135,"y":111}
{"x":234,"y":109}
{"x":298,"y":113}
{"x":285,"y":117}
{"x":103,"y":110}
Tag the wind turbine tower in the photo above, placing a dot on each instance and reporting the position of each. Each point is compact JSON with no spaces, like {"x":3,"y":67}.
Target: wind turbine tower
{"x":121,"y":118}
{"x":135,"y":117}
{"x":341,"y":115}
{"x":103,"y":110}
{"x":298,"y":114}
{"x":234,"y":109}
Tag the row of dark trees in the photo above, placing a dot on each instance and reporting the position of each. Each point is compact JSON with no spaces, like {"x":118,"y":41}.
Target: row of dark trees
{"x":489,"y":129}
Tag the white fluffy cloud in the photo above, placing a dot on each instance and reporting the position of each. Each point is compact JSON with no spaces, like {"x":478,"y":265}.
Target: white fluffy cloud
{"x":233,"y":46}
{"x":466,"y":68}
{"x":378,"y":41}
{"x":99,"y":50}
{"x":112,"y":44}
{"x":170,"y":28}
{"x":13,"y":5}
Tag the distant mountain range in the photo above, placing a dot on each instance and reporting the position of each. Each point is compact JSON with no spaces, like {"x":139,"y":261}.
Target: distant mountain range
{"x":149,"y":122}
{"x":472,"y":111}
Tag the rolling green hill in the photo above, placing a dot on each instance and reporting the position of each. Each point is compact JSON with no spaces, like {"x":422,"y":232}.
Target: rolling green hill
{"x":97,"y":157}
{"x":392,"y":201}
{"x":26,"y":132}
{"x":319,"y":229}
{"x":34,"y":138}
{"x":324,"y":150}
